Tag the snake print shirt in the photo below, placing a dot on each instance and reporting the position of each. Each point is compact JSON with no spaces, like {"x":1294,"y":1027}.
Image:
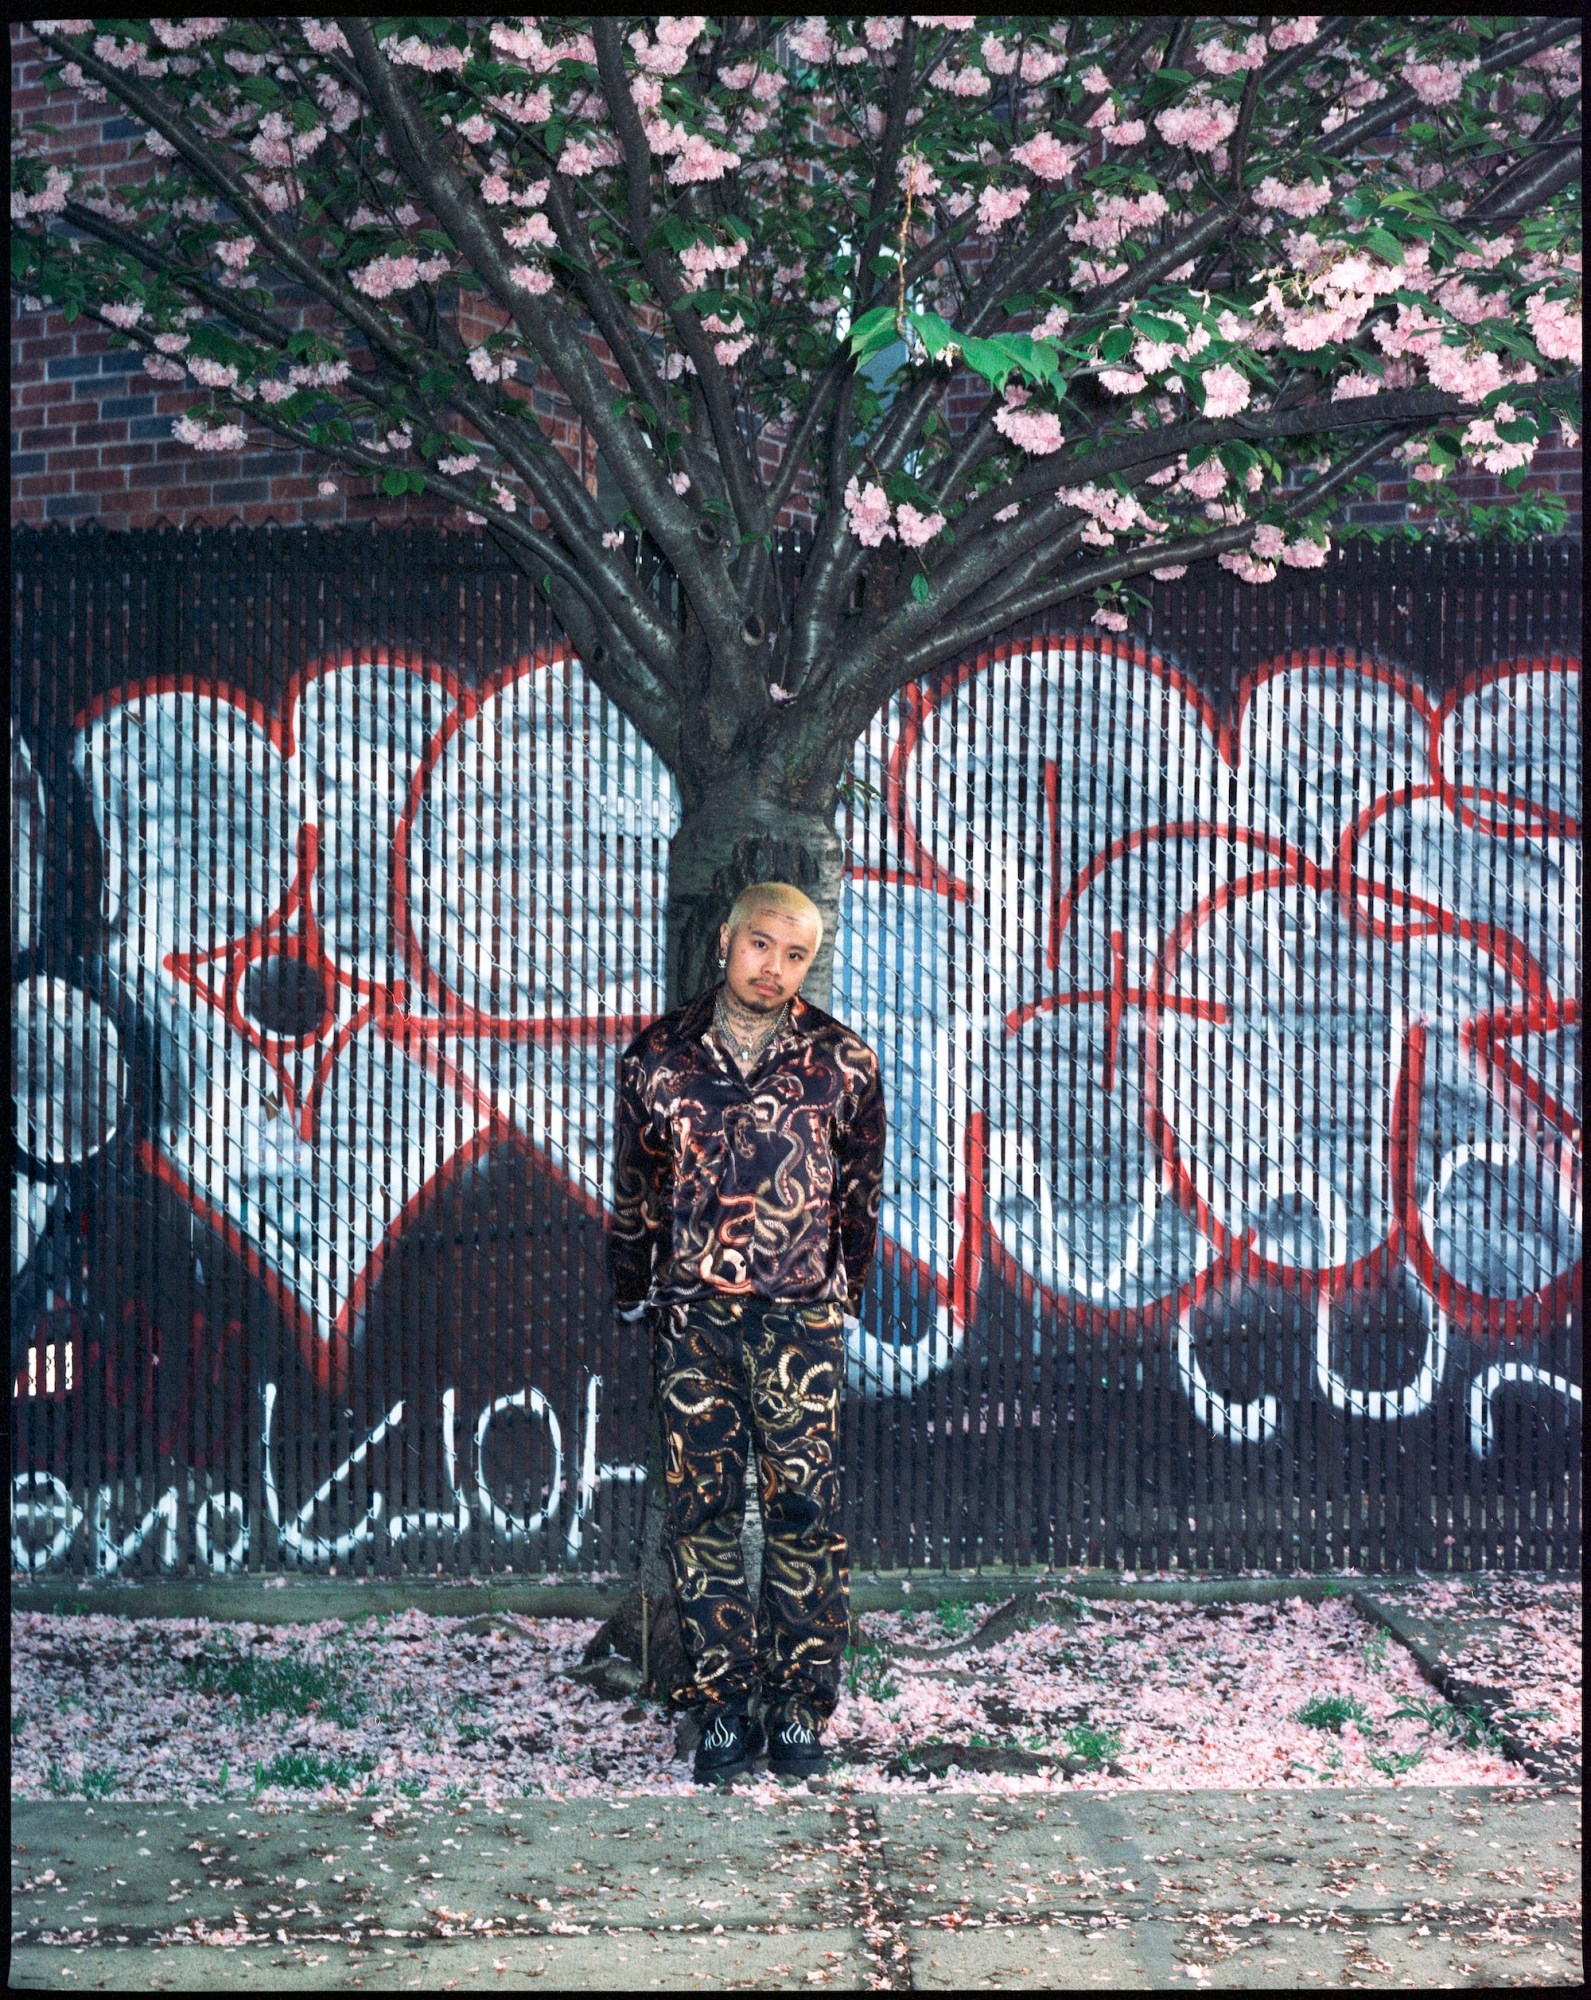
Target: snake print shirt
{"x":762,"y":1185}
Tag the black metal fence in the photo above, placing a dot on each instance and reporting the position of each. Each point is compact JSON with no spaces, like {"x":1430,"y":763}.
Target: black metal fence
{"x":1224,"y":975}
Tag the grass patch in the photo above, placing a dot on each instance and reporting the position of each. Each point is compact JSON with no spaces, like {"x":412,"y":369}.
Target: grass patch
{"x":1331,"y":1711}
{"x":301,"y":1770}
{"x":1374,"y":1650}
{"x":91,"y":1785}
{"x":956,"y":1618}
{"x":1094,"y":1746}
{"x":19,"y":1722}
{"x":867,"y":1672}
{"x":280,"y":1686}
{"x":1393,"y":1763}
{"x":1469,"y":1726}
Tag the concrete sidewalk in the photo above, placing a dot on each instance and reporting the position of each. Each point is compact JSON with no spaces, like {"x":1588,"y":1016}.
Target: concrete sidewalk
{"x":1387,"y":1887}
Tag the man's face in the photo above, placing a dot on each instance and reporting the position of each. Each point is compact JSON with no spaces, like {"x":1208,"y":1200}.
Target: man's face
{"x":768,"y":957}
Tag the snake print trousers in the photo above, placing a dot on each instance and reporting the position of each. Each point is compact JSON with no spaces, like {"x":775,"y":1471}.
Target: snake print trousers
{"x":733,"y":1374}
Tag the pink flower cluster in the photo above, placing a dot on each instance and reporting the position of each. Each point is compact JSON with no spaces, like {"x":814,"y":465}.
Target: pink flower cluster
{"x":533,"y":231}
{"x":204,"y":437}
{"x":1045,"y":157}
{"x":1115,"y":217}
{"x":996,"y":207}
{"x":1220,"y":60}
{"x":811,"y":40}
{"x":1248,"y":566}
{"x":50,"y":199}
{"x":698,"y":259}
{"x":1436,"y":82}
{"x":1037,"y":432}
{"x":1555,"y":326}
{"x":1484,"y":446}
{"x":916,"y":529}
{"x":1225,"y":391}
{"x":527,"y":45}
{"x":1297,"y":33}
{"x":1307,"y":198}
{"x":384,"y":276}
{"x":868,"y":511}
{"x":1201,"y":122}
{"x":700,"y":160}
{"x":583,"y":156}
{"x":1108,"y":512}
{"x":124,"y":314}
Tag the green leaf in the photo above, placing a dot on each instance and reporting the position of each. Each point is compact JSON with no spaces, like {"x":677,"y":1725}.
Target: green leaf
{"x":1384,"y":244}
{"x":1115,"y":344}
{"x":937,"y":334}
{"x":1158,"y":328}
{"x":394,"y":482}
{"x":988,"y":359}
{"x":920,"y":588}
{"x":872,"y":332}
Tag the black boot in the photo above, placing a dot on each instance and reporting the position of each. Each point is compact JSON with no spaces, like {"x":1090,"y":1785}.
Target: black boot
{"x":794,"y":1748}
{"x":731,"y":1741}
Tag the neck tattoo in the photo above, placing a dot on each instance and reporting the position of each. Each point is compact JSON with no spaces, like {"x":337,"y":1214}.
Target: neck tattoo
{"x":745,"y":1033}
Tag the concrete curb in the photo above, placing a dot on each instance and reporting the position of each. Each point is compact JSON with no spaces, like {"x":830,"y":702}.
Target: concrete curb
{"x":301,"y":1600}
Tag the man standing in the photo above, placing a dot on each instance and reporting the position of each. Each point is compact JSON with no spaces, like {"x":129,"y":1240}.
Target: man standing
{"x":749,"y":1161}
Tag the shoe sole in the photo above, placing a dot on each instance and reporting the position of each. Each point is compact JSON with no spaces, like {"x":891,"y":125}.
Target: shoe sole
{"x":814,"y":1767}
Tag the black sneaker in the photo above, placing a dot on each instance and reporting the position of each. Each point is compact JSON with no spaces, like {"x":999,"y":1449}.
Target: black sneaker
{"x":794,"y":1749}
{"x":730,"y":1743}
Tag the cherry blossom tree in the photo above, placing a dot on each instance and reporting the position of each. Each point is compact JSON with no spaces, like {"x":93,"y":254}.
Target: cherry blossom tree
{"x":1202,"y":273}
{"x":1206,"y":271}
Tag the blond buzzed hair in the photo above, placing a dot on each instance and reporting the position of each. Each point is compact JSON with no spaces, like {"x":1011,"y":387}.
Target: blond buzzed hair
{"x":782,"y":896}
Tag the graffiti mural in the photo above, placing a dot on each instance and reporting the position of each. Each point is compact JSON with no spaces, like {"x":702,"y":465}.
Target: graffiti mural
{"x":1231,"y":1051}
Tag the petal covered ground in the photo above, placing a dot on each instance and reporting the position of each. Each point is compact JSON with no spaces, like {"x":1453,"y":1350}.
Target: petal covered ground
{"x":1107,"y":1696}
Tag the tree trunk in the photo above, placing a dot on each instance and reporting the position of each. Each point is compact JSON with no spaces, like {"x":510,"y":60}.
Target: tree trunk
{"x":738,"y":831}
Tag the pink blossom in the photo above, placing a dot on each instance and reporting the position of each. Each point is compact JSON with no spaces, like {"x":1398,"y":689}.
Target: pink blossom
{"x":1296,"y":33}
{"x":613,"y":539}
{"x":125,"y":314}
{"x":437,"y":58}
{"x":997,"y":58}
{"x":916,"y":176}
{"x":1469,"y":376}
{"x":383,"y":276}
{"x":1482,"y":443}
{"x":1346,"y":387}
{"x":1170,"y":572}
{"x":533,"y":230}
{"x":1094,"y":81}
{"x":1053,"y":324}
{"x":1111,"y":621}
{"x":1008,"y":513}
{"x":1122,"y":381}
{"x":996,"y":206}
{"x":224,"y":437}
{"x":50,"y":200}
{"x":1269,"y":541}
{"x":881,"y":32}
{"x":1225,"y":391}
{"x":1201,"y":122}
{"x":505,"y":499}
{"x":1436,"y":82}
{"x":533,"y":278}
{"x":582,"y":156}
{"x":1307,"y":198}
{"x":235,"y":252}
{"x":964,"y":82}
{"x":1305,"y":554}
{"x":811,"y":40}
{"x":1248,"y":567}
{"x":463,"y":461}
{"x":700,"y":160}
{"x":1035,"y":431}
{"x":1555,"y":326}
{"x":1039,"y":65}
{"x":680,"y":481}
{"x":482,"y":366}
{"x":1220,"y":60}
{"x":1129,"y":132}
{"x":213,"y":374}
{"x":867,"y":508}
{"x":1045,"y":157}
{"x":916,"y":529}
{"x":1204,"y":481}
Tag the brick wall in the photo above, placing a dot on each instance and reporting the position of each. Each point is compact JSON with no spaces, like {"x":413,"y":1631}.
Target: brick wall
{"x":91,"y":432}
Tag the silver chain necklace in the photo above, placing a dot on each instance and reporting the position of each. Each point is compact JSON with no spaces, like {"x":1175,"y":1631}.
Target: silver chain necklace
{"x":744,"y":1051}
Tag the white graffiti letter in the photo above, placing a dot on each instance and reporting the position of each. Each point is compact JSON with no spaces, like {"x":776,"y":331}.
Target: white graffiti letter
{"x":1238,"y":1423}
{"x":60,"y":1507}
{"x":536,"y":1403}
{"x":592,"y":1474}
{"x":1503,"y":1374}
{"x":221,"y":1508}
{"x":109,"y":1553}
{"x":1385,"y":1405}
{"x":291,"y":1534}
